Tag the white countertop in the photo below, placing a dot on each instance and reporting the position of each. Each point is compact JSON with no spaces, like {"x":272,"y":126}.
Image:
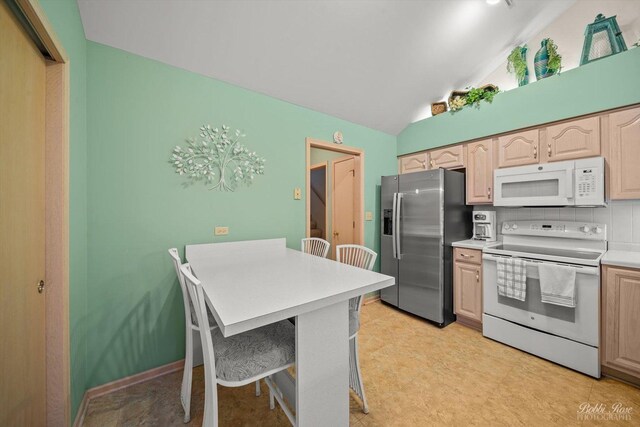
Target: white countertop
{"x":474,"y":244}
{"x":619,"y":258}
{"x":247,"y":289}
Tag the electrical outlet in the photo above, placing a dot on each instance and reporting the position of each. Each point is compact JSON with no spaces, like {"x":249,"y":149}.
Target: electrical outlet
{"x":368,"y":216}
{"x":221,"y":231}
{"x":297,"y":194}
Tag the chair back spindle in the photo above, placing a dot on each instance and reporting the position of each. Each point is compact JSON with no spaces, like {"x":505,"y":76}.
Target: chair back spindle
{"x":315,"y":246}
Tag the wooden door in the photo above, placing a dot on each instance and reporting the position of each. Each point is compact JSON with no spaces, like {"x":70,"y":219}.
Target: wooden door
{"x":344,"y":196}
{"x":518,"y":149}
{"x":624,"y":146}
{"x":22,"y":226}
{"x":448,"y":158}
{"x":571,"y":140}
{"x":480,"y":172}
{"x":413,"y":163}
{"x":468,"y":291}
{"x":621,"y":314}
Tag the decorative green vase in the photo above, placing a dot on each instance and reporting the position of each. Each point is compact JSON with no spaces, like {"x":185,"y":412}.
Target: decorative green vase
{"x":541,"y":61}
{"x":524,"y":80}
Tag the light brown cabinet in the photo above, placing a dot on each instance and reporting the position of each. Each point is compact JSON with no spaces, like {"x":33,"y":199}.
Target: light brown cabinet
{"x":518,"y":149}
{"x":413,"y":163}
{"x":571,"y":140}
{"x":467,"y":286}
{"x":621,"y":319}
{"x":480,"y":172}
{"x":453,"y":157}
{"x":624,"y":151}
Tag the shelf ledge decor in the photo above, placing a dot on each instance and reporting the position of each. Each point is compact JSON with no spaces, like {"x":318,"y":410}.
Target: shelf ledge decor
{"x":217,"y":159}
{"x":602,"y":38}
{"x":472,"y":97}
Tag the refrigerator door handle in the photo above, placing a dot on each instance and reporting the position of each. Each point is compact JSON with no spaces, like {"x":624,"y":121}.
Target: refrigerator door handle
{"x":394,"y":221}
{"x":397,"y":226}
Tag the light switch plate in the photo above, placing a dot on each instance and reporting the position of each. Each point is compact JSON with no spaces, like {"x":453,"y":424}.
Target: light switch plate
{"x":221,"y":231}
{"x":368,"y":216}
{"x":297,"y":194}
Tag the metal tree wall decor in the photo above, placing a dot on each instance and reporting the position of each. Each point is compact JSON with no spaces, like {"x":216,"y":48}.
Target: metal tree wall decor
{"x":218,"y":159}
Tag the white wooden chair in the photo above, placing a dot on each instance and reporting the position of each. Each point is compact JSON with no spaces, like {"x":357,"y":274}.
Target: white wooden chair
{"x":191,"y":324}
{"x":361,"y":257}
{"x":240,"y":359}
{"x":315,"y":246}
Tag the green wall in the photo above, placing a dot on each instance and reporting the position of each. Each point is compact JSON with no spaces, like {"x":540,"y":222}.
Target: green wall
{"x":65,"y":19}
{"x":601,"y":85}
{"x":138,"y":110}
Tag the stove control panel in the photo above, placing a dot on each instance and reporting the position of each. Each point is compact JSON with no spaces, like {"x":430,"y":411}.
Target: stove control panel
{"x":569,"y":230}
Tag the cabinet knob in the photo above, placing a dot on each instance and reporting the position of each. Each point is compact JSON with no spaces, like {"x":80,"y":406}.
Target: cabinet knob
{"x":477,"y":276}
{"x":431,"y":163}
{"x":549,"y":149}
{"x":489,"y":192}
{"x":41,"y":286}
{"x":535,"y":152}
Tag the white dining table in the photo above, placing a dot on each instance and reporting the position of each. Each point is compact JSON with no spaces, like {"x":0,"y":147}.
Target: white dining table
{"x":255,"y":283}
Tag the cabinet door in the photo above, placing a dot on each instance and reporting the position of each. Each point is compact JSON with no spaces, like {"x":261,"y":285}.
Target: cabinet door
{"x":518,"y":149}
{"x":572,"y":140}
{"x":467,"y":288}
{"x":448,"y":158}
{"x":480,"y":172}
{"x":413,"y":163}
{"x":624,"y":147}
{"x":621,"y":314}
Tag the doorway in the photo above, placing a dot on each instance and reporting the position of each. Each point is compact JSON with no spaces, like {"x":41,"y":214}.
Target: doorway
{"x":343,"y":169}
{"x":318,"y":200}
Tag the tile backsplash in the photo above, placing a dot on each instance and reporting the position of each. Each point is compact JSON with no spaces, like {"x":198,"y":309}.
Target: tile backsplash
{"x":622,"y":219}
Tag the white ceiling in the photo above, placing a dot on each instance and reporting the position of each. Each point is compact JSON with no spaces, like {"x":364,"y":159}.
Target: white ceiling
{"x":379,"y":63}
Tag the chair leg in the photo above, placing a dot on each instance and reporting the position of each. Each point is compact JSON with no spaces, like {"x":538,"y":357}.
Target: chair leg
{"x":258,"y":388}
{"x":187,"y":375}
{"x":355,"y":377}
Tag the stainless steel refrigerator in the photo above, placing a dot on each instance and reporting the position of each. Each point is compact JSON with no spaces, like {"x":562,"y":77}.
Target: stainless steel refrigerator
{"x":422,"y":214}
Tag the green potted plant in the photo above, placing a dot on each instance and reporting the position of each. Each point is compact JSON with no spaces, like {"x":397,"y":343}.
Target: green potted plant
{"x":517,"y":64}
{"x":547,"y":61}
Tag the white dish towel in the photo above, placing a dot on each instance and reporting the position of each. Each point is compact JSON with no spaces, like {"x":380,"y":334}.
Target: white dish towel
{"x":512,"y":278}
{"x":558,"y":284}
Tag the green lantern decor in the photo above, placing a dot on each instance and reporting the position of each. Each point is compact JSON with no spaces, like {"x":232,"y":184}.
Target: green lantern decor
{"x":602,"y":38}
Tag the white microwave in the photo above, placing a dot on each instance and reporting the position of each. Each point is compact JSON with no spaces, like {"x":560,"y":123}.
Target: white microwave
{"x":570,"y":183}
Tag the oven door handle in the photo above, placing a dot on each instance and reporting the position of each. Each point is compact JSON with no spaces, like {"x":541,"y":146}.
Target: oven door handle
{"x":580,"y":269}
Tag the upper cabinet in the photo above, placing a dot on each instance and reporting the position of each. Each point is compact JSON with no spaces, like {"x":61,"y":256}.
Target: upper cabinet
{"x":624,"y":151}
{"x":518,"y":149}
{"x":571,"y":140}
{"x":413,"y":163}
{"x":480,"y":172}
{"x":453,"y":157}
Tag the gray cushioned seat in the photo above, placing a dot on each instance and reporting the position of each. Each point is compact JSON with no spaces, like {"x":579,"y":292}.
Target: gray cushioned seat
{"x":354,"y":321}
{"x":254,"y":352}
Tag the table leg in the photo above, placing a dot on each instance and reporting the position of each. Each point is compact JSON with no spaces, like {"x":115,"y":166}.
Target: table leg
{"x":322,"y":367}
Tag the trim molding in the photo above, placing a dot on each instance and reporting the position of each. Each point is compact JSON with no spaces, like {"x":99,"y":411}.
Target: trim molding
{"x":371,"y":299}
{"x":82,"y":410}
{"x":125,"y":382}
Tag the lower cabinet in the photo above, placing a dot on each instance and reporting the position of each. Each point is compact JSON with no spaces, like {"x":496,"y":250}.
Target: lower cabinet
{"x":467,"y":286}
{"x":621,"y":320}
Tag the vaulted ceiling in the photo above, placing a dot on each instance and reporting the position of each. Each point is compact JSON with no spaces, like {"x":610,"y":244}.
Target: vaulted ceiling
{"x":378,"y":63}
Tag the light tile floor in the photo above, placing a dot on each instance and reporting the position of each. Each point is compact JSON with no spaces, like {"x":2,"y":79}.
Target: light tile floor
{"x":414,"y":374}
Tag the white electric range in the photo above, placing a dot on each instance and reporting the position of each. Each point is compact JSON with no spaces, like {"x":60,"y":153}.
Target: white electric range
{"x":564,"y":335}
